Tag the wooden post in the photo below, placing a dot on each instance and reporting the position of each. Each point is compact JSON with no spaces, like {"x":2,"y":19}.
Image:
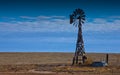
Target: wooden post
{"x":107,"y":58}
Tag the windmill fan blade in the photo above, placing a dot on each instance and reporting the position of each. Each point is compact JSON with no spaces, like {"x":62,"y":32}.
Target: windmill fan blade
{"x":82,"y":21}
{"x":82,"y":15}
{"x":76,"y":10}
{"x":74,"y":13}
{"x":81,"y":12}
{"x":75,"y":24}
{"x":82,"y":18}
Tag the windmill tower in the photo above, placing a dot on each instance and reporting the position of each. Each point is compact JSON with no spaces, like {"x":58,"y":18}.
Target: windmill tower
{"x":77,"y":18}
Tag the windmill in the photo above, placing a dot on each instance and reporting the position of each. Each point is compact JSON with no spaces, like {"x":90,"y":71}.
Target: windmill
{"x":77,"y":18}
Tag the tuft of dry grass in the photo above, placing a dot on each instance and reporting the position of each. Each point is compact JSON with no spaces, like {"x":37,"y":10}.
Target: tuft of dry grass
{"x":88,"y":61}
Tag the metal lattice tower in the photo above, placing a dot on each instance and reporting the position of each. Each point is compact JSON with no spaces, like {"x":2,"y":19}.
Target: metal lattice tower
{"x":77,"y":18}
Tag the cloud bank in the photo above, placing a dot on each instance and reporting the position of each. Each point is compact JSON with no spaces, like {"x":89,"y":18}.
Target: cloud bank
{"x":57,"y":24}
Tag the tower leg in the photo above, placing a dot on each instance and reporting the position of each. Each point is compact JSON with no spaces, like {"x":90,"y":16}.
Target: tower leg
{"x":83,"y":59}
{"x":76,"y":59}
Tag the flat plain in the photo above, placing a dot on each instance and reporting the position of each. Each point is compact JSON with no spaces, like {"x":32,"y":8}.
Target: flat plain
{"x":53,"y":63}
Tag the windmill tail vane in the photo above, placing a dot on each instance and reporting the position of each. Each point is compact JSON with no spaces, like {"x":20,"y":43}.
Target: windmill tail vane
{"x":71,"y":19}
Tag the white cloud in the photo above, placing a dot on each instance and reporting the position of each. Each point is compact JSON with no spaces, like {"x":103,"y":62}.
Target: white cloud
{"x":58,"y":24}
{"x":53,"y":24}
{"x":43,"y":17}
{"x":102,"y":25}
{"x":27,"y":17}
{"x":58,"y":17}
{"x":115,"y":17}
{"x":99,"y":20}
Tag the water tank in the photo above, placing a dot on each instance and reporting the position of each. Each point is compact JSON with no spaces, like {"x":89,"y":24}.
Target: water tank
{"x":99,"y":64}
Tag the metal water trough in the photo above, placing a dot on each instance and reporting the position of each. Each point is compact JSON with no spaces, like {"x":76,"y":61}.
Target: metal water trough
{"x":99,"y":64}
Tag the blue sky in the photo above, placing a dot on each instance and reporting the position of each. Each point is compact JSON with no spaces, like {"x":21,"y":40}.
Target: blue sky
{"x":43,"y":25}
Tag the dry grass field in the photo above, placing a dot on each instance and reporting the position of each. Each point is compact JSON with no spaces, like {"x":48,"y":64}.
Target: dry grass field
{"x":54,"y":64}
{"x":35,"y":58}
